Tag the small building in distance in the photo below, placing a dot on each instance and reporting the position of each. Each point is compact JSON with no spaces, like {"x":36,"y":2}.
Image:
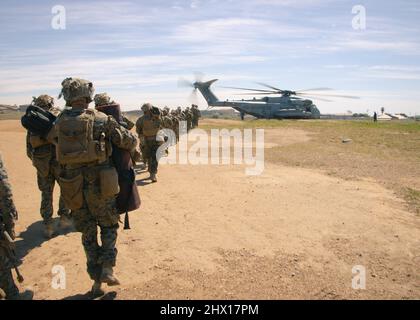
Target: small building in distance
{"x":4,"y":108}
{"x":386,"y":117}
{"x":401,"y":116}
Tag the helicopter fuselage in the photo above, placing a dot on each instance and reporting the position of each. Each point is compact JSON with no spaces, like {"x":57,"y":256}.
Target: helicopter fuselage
{"x":281,"y":107}
{"x":275,"y":110}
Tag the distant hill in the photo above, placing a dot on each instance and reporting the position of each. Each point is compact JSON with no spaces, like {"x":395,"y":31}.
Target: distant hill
{"x":133,"y":113}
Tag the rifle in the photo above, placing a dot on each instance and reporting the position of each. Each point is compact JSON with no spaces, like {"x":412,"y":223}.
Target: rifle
{"x":10,"y":251}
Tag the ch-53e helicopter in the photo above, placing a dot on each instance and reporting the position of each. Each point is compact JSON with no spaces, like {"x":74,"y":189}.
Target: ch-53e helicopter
{"x":7,"y":108}
{"x":286,"y":104}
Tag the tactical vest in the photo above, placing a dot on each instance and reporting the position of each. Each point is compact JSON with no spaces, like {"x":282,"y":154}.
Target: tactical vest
{"x":150,"y":127}
{"x":76,"y":141}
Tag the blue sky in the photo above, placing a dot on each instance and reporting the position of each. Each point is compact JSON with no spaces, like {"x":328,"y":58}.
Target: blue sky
{"x":137,"y":50}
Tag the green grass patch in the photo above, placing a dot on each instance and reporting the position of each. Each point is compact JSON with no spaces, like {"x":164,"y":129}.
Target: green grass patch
{"x":403,"y":126}
{"x":412,"y":197}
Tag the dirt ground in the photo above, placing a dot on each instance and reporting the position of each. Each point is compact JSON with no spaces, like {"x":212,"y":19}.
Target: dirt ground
{"x":212,"y":232}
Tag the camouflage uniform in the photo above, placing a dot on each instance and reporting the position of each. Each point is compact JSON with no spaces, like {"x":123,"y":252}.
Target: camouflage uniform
{"x":196,"y":115}
{"x":8,"y":215}
{"x":166,"y":119}
{"x":42,"y":154}
{"x":187,"y":116}
{"x":103,"y":100}
{"x":147,"y":127}
{"x":175,"y":123}
{"x":96,"y":209}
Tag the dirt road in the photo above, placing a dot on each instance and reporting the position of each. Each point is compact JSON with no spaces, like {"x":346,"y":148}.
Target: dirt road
{"x":213,"y":232}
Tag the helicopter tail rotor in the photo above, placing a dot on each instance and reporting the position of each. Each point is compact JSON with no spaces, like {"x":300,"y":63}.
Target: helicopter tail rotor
{"x":185,"y":83}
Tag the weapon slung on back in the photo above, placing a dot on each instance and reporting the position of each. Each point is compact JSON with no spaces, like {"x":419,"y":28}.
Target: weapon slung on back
{"x":8,"y":242}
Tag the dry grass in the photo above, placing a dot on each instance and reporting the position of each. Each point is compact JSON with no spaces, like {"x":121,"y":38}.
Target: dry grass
{"x":11,"y":115}
{"x":412,"y":197}
{"x":386,"y":152}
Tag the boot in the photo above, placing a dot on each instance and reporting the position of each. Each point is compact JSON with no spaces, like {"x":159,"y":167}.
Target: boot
{"x":108,"y":277}
{"x":65,"y":221}
{"x":25,"y":295}
{"x":153,"y":177}
{"x":96,"y":290}
{"x":49,"y":230}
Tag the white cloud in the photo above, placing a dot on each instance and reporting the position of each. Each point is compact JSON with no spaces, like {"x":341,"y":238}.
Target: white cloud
{"x":140,"y":48}
{"x":387,"y":72}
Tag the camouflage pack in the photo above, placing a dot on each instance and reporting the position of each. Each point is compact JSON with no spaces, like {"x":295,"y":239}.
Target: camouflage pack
{"x":38,"y":120}
{"x":76,"y":143}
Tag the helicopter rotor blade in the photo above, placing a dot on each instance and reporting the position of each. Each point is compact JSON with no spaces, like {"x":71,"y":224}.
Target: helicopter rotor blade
{"x":317,"y":98}
{"x":255,"y":93}
{"x":268,"y":86}
{"x":247,"y":89}
{"x":198,"y":76}
{"x":330,"y":95}
{"x":314,"y":89}
{"x":295,"y":97}
{"x":193,"y":98}
{"x":184,"y":83}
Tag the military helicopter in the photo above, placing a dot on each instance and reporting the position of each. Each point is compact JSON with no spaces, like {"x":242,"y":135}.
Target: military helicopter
{"x":7,"y":108}
{"x":286,"y":104}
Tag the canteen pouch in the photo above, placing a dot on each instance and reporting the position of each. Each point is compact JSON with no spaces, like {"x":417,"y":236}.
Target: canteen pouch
{"x":108,"y":178}
{"x":72,"y":192}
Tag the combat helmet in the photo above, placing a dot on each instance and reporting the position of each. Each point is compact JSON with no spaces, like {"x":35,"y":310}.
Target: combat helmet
{"x":44,"y":101}
{"x":165,"y":111}
{"x":102,"y":99}
{"x":75,"y":89}
{"x":146,"y":107}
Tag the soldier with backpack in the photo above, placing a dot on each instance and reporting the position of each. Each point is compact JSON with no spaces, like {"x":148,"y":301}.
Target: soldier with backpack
{"x":196,"y":115}
{"x":89,"y":179}
{"x":42,"y":155}
{"x":147,"y":127}
{"x":128,"y":198}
